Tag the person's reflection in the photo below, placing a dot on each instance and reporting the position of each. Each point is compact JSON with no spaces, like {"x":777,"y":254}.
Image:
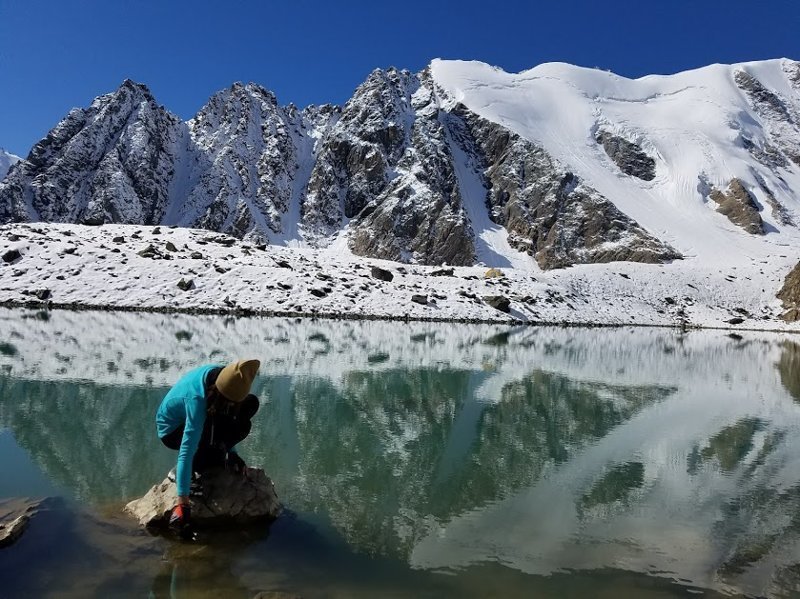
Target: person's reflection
{"x":203,"y":569}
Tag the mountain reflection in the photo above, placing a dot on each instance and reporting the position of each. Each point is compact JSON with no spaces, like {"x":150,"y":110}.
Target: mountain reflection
{"x":540,"y":449}
{"x":384,"y":453}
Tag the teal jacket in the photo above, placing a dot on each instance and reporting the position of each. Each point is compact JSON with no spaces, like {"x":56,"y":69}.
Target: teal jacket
{"x":185,"y":405}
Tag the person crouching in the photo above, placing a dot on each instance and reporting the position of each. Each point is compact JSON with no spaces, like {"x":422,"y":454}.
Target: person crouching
{"x":203,"y":416}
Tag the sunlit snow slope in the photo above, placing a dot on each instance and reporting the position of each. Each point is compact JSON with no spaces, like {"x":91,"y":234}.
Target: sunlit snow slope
{"x":703,"y":128}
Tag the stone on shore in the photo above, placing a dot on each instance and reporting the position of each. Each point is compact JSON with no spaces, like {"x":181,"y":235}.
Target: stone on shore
{"x":226,"y":497}
{"x":15,"y":515}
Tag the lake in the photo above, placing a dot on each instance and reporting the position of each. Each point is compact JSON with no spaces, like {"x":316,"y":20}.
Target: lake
{"x":413,"y":459}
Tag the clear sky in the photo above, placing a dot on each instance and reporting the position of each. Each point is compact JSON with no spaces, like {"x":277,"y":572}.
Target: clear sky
{"x":58,"y":54}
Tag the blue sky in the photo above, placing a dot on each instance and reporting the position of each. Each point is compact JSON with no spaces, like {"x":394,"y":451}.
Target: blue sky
{"x":57,"y":54}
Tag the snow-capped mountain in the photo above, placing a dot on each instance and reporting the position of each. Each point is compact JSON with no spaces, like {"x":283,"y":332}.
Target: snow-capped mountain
{"x":6,"y":161}
{"x":461,"y":163}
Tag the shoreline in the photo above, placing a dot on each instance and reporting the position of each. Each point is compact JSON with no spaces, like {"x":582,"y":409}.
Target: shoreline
{"x":249,"y":313}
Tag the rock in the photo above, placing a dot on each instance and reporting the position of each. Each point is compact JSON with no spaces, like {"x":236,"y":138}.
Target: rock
{"x":627,"y":155}
{"x":420,"y":299}
{"x":186,"y":284}
{"x":42,"y":294}
{"x":739,"y":206}
{"x":155,"y":231}
{"x":10,"y":532}
{"x":283,"y":264}
{"x":15,"y":515}
{"x":226,"y":497}
{"x":493,"y":273}
{"x":149,"y":252}
{"x":442,"y":272}
{"x":735,"y":320}
{"x":382,"y":274}
{"x":791,"y":315}
{"x":316,"y":292}
{"x":119,"y":239}
{"x":11,"y":256}
{"x":170,"y":247}
{"x":196,"y":255}
{"x":549,"y":212}
{"x":498,"y":302}
{"x":789,"y":294}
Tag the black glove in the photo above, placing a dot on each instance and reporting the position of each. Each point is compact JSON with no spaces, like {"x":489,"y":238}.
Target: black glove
{"x":179,"y":521}
{"x":234,"y":463}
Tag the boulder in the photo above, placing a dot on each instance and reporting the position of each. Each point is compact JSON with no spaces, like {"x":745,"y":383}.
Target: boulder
{"x":382,"y":274}
{"x":498,"y":302}
{"x":224,"y":497}
{"x":11,"y":256}
{"x":15,"y":515}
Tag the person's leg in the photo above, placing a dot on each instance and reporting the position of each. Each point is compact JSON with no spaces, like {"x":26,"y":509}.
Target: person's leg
{"x":232,"y":429}
{"x":248,"y":407}
{"x":209,"y":455}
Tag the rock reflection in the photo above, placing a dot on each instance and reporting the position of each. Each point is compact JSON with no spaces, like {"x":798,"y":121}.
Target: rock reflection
{"x":789,"y":368}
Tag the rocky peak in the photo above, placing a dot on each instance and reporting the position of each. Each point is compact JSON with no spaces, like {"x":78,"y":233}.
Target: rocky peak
{"x":358,"y":153}
{"x":107,"y":163}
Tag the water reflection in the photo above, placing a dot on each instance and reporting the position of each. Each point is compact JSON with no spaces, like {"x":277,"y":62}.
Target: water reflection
{"x":450,"y":447}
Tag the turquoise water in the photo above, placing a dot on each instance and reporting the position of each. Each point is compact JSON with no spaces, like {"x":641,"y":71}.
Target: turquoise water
{"x":414,"y":459}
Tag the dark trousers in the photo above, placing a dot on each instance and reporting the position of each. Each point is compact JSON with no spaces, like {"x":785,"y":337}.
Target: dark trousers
{"x":220,"y":433}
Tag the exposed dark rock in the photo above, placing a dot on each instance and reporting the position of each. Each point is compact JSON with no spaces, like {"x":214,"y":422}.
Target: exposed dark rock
{"x":419,"y":215}
{"x":283,"y":264}
{"x":789,"y":294}
{"x":735,"y":320}
{"x":548,"y":212}
{"x":225,"y":497}
{"x":442,"y":272}
{"x":196,"y":255}
{"x":778,"y":118}
{"x":419,"y":299}
{"x":11,"y":256}
{"x":170,"y":247}
{"x":763,"y":99}
{"x":381,"y":273}
{"x":779,"y":211}
{"x":627,"y":155}
{"x":118,"y":239}
{"x":366,"y":141}
{"x":316,"y":292}
{"x":149,"y":252}
{"x":739,"y":206}
{"x":498,"y":302}
{"x":43,"y":294}
{"x":186,"y":284}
